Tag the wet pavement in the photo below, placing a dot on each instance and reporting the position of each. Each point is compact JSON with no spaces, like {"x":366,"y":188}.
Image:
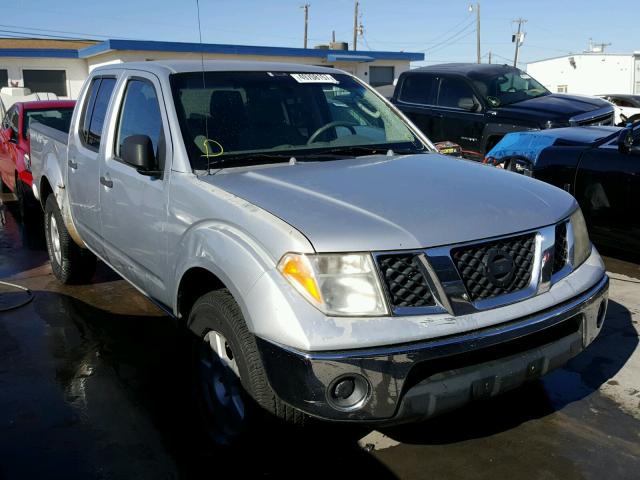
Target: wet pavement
{"x":93,"y":385}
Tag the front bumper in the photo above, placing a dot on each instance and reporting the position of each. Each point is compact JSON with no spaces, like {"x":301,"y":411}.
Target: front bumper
{"x":420,"y":380}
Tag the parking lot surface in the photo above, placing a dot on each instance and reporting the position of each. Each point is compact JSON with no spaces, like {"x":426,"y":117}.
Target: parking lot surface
{"x":92,"y":385}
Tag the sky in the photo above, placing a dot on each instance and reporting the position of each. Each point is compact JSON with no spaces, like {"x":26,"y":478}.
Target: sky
{"x":443,"y":30}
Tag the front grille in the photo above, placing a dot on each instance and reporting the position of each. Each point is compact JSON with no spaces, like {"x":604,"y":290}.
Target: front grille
{"x":601,"y":120}
{"x":561,"y":249}
{"x":475,"y":263}
{"x":405,"y":280}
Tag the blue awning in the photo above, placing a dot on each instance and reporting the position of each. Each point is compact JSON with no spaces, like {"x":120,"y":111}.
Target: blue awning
{"x":336,"y":57}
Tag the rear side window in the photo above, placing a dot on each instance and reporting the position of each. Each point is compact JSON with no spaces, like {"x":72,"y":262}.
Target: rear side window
{"x":94,"y":111}
{"x":452,"y":90}
{"x":418,"y":88}
{"x":140,"y":115}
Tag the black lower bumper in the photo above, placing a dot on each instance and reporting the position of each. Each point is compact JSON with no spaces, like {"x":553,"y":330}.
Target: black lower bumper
{"x":419,"y":380}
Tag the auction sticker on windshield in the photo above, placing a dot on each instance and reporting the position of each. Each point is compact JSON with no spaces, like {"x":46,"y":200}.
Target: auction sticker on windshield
{"x":314,"y":78}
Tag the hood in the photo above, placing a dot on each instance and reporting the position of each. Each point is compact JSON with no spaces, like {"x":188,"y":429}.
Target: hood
{"x":531,"y":144}
{"x":554,"y":107}
{"x":378,"y":203}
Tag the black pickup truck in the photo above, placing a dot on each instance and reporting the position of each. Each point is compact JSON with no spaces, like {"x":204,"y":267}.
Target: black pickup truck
{"x":476,"y":105}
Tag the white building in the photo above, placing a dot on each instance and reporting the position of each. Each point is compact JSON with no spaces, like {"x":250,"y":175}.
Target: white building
{"x":589,"y":73}
{"x":61,"y":67}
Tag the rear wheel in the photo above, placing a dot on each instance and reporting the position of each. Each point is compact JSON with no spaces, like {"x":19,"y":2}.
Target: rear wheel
{"x":69,"y":263}
{"x":26,"y":201}
{"x":230,"y":383}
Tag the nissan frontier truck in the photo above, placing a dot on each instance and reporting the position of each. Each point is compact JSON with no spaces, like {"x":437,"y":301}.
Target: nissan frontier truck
{"x":327,"y":260}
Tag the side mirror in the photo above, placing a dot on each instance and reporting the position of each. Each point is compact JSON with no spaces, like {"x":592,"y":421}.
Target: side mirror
{"x":469,"y":104}
{"x":137,"y":151}
{"x":625,"y":141}
{"x":13,"y":135}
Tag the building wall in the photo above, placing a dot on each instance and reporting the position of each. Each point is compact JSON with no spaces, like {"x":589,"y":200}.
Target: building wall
{"x":588,"y":74}
{"x":76,"y":70}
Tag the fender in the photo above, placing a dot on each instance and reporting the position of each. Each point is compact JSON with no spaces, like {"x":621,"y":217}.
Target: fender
{"x":499,"y":130}
{"x":51,"y":173}
{"x":235,"y":257}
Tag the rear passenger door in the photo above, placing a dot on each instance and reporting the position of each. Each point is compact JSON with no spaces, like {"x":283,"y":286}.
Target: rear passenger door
{"x":83,"y":160}
{"x":455,"y":118}
{"x":134,"y":206}
{"x":416,"y":99}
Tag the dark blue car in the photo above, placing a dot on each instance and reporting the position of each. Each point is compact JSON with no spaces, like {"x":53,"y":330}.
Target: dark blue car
{"x":600,"y":166}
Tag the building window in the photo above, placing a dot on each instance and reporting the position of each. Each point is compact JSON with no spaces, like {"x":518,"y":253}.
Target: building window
{"x":54,"y":81}
{"x":563,"y":88}
{"x":4,"y":78}
{"x":379,"y":76}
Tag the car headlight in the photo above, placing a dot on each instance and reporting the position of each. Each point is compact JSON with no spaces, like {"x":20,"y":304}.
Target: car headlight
{"x":581,"y":242}
{"x":27,"y":162}
{"x":336,"y":284}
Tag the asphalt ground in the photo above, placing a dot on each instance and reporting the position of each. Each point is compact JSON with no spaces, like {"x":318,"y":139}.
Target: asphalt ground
{"x":93,"y":385}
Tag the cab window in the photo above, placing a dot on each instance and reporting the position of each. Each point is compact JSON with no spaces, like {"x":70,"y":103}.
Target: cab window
{"x":94,"y":111}
{"x":418,"y":88}
{"x":452,"y":91}
{"x":139,"y":115}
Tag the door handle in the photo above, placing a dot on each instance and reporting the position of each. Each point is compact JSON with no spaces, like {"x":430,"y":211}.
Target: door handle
{"x":106,"y":183}
{"x":72,"y":164}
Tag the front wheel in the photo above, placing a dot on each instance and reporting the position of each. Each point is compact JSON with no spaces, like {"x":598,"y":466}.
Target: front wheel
{"x":69,"y":263}
{"x":230,"y":382}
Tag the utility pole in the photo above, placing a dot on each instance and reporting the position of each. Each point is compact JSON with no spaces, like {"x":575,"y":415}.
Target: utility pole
{"x":355,"y":26}
{"x":478,"y":31}
{"x":518,"y":39}
{"x":306,"y":22}
{"x":476,"y":7}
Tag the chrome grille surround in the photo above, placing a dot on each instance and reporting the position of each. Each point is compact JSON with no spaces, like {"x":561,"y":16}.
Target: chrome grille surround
{"x":447,"y":285}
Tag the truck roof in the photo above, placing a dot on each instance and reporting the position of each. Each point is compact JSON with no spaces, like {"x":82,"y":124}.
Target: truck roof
{"x":483,"y":69}
{"x":180,"y":66}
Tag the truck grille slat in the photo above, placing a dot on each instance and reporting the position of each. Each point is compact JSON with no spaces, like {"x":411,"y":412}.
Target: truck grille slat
{"x":561,"y":248}
{"x":405,"y":280}
{"x":471,"y":262}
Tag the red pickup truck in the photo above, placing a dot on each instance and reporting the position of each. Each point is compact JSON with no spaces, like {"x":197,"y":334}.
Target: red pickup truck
{"x":15,"y":165}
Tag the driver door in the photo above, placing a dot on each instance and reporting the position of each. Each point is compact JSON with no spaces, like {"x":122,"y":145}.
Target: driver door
{"x":134,"y":205}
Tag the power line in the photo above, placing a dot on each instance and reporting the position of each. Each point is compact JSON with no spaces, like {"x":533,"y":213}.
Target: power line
{"x":450,"y":38}
{"x":451,"y":43}
{"x":88,"y":35}
{"x":46,"y":36}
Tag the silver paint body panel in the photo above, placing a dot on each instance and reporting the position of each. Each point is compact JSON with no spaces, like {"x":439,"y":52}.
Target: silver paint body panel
{"x":238,"y":223}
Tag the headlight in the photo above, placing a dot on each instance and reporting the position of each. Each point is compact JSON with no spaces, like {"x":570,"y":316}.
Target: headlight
{"x":27,"y":162}
{"x":581,"y":242}
{"x":336,"y":284}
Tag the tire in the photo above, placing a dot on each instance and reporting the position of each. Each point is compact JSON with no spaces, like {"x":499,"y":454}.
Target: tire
{"x":69,"y":263}
{"x":217,"y":316}
{"x":26,"y":202}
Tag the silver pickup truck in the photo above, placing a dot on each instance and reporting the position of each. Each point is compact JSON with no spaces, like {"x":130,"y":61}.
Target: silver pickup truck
{"x":327,"y":260}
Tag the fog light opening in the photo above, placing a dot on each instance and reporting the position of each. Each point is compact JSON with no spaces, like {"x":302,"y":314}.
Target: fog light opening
{"x":348,"y":392}
{"x":602,"y":312}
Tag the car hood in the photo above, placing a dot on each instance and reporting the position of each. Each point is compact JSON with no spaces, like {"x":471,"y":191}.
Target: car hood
{"x":377,"y":203}
{"x":554,"y":107}
{"x":530,"y":145}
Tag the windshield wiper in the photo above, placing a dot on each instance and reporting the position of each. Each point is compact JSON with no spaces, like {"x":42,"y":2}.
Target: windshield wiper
{"x":246,"y":159}
{"x":362,"y":150}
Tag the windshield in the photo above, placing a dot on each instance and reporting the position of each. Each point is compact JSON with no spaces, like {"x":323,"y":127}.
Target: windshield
{"x":58,"y":118}
{"x":260,"y":115}
{"x":509,"y":87}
